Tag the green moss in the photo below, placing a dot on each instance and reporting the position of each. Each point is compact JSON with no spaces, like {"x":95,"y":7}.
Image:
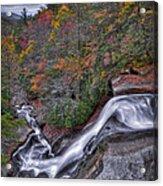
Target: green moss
{"x":9,"y":125}
{"x":4,"y":159}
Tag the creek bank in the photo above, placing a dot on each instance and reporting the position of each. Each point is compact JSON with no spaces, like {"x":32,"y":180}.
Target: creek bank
{"x":135,"y":80}
{"x":98,"y":163}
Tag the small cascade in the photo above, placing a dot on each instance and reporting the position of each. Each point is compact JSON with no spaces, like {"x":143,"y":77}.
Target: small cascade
{"x":127,"y":113}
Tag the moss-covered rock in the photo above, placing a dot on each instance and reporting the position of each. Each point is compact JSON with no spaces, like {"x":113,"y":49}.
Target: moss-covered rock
{"x":13,"y":132}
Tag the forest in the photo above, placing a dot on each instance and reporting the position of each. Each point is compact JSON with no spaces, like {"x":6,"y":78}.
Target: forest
{"x":63,"y":61}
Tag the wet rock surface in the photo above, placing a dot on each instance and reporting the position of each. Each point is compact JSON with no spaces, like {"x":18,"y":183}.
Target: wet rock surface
{"x":123,"y":157}
{"x":140,"y":165}
{"x":135,"y":80}
{"x":40,"y":111}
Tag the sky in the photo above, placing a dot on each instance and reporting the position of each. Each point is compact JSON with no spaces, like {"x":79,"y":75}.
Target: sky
{"x":32,"y":9}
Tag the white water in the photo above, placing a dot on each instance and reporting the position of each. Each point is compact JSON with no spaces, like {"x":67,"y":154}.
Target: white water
{"x":120,"y":114}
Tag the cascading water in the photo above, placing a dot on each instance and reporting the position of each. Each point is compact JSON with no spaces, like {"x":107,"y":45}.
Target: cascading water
{"x":135,"y":112}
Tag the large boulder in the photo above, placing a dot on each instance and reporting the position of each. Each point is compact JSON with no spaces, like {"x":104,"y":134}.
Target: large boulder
{"x":135,"y":80}
{"x":123,"y":157}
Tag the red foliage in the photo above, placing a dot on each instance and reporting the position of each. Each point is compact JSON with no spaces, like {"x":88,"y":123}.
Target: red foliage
{"x":45,"y":18}
{"x":67,"y":27}
{"x":23,"y":42}
{"x":38,"y":82}
{"x":106,"y":58}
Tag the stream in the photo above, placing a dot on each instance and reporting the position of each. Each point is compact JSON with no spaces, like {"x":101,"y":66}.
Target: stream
{"x":121,"y":114}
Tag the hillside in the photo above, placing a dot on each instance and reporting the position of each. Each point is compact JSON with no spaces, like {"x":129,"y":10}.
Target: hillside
{"x":69,"y":59}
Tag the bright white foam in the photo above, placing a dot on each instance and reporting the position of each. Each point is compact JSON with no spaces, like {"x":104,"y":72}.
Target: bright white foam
{"x":131,"y":112}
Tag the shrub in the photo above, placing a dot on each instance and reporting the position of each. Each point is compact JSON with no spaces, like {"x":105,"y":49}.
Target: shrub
{"x":9,"y":125}
{"x":68,"y":113}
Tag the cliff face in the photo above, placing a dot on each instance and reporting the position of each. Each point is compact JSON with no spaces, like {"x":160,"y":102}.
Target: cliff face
{"x":123,"y":157}
{"x":136,"y":80}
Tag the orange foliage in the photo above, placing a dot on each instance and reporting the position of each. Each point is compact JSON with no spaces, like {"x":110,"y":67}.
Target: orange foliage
{"x":42,"y":65}
{"x":101,"y":13}
{"x":38,"y":82}
{"x":64,"y":8}
{"x":38,"y":78}
{"x":58,"y":67}
{"x":61,"y":64}
{"x":35,"y":88}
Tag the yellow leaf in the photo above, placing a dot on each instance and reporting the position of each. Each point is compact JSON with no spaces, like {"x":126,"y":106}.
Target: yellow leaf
{"x":100,"y":21}
{"x":52,"y":35}
{"x":21,"y":55}
{"x":103,"y":74}
{"x":64,"y":8}
{"x":55,"y":24}
{"x":28,"y":49}
{"x":110,"y":27}
{"x":34,"y":87}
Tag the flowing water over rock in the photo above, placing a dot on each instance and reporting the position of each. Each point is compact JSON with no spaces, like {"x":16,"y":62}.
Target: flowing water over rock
{"x":121,"y":114}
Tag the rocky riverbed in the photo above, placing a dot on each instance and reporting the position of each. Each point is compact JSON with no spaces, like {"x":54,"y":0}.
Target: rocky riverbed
{"x":126,"y":155}
{"x":131,"y":156}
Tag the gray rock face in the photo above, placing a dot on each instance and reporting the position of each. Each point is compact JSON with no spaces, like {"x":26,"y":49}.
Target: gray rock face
{"x":140,"y":165}
{"x":123,"y":157}
{"x":20,"y":96}
{"x":40,"y":115}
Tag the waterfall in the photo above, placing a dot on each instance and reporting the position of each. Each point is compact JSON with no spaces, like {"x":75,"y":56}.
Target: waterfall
{"x":126,"y":113}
